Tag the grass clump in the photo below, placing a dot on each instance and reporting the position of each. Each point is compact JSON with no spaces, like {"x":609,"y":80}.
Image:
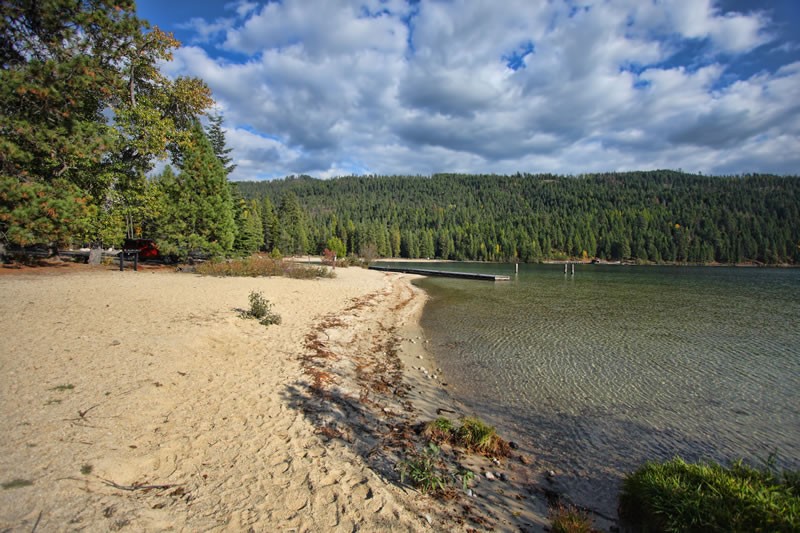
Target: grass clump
{"x":260,"y":265}
{"x":439,"y":431}
{"x":424,"y":469}
{"x":62,"y":388}
{"x":261,"y":310}
{"x":680,"y":496}
{"x":86,"y":469}
{"x":569,"y":519}
{"x":428,"y":473}
{"x":474,"y":435}
{"x":477,"y":436}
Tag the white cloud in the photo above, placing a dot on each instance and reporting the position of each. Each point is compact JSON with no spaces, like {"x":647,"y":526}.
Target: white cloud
{"x":204,"y":30}
{"x":258,"y":157}
{"x":702,"y":19}
{"x":334,"y":87}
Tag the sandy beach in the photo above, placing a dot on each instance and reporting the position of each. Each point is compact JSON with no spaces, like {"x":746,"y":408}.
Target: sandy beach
{"x":142,"y":401}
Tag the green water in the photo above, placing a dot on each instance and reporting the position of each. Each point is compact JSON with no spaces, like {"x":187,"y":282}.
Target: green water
{"x":598,"y":372}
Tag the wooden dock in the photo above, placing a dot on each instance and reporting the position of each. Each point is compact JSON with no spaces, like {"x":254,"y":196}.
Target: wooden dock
{"x":441,"y":273}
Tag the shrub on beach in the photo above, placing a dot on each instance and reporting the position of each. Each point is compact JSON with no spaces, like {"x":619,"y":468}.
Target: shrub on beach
{"x":477,"y":436}
{"x":680,"y":496}
{"x":259,"y":265}
{"x":474,"y":435}
{"x":261,"y":310}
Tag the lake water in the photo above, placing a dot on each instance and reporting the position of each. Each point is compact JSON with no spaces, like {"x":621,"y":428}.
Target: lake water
{"x":599,"y":372}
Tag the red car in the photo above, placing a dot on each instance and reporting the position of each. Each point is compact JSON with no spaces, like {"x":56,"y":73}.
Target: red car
{"x":147,"y":248}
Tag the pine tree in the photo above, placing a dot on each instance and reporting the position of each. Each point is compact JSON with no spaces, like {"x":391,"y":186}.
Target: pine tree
{"x":249,"y":231}
{"x":270,"y":224}
{"x":33,"y":212}
{"x":63,"y":65}
{"x":217,"y":137}
{"x":293,"y":237}
{"x":197,"y":213}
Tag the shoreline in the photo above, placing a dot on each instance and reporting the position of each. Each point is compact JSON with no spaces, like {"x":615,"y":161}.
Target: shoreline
{"x":599,"y":263}
{"x":142,"y":399}
{"x":378,"y":404}
{"x":522,"y":498}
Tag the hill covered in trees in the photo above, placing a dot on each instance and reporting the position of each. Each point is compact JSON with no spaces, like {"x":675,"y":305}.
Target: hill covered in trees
{"x":659,"y":216}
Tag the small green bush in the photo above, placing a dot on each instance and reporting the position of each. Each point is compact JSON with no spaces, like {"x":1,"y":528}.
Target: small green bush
{"x":261,"y":310}
{"x":679,"y":496}
{"x":475,"y":435}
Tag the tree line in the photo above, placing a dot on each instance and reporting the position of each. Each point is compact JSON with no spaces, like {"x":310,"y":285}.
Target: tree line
{"x":654,"y":216}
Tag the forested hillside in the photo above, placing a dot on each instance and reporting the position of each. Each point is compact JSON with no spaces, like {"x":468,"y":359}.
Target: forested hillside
{"x":659,"y":216}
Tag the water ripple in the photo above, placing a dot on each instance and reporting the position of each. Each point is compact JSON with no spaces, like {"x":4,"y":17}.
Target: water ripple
{"x":621,"y":365}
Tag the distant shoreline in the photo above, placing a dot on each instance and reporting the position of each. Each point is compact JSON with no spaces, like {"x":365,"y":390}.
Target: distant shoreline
{"x":589,"y":262}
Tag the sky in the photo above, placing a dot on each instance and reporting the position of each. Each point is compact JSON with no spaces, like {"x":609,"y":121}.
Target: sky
{"x":334,"y":87}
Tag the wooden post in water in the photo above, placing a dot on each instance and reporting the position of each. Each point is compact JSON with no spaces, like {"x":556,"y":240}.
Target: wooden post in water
{"x":573,"y":269}
{"x":516,"y":268}
{"x":565,"y":268}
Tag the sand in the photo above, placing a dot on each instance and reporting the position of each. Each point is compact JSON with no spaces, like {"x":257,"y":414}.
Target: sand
{"x":142,"y":401}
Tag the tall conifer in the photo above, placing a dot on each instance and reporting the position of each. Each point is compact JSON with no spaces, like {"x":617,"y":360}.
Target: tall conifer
{"x":217,"y":137}
{"x":197,"y":213}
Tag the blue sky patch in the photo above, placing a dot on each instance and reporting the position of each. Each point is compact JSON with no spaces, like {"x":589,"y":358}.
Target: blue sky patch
{"x":357,"y":97}
{"x":516,"y":59}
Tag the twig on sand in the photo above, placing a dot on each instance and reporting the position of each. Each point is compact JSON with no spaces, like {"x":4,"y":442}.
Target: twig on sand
{"x":38,"y":519}
{"x":139,"y":486}
{"x":82,"y":416}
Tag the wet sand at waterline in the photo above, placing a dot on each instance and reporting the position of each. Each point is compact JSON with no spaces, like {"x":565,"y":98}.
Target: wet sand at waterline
{"x":142,"y":401}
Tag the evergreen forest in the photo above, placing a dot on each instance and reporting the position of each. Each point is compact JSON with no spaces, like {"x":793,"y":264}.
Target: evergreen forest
{"x":654,"y":216}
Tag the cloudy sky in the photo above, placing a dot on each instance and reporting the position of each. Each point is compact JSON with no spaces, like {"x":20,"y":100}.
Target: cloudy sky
{"x":335,"y":87}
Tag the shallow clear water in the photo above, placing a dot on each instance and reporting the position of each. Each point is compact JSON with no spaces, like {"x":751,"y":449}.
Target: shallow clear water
{"x":601,"y":371}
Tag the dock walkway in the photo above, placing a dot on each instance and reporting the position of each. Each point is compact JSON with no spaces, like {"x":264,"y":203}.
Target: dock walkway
{"x":442,"y":273}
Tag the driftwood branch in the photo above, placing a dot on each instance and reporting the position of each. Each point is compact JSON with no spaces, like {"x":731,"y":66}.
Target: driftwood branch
{"x":139,"y":486}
